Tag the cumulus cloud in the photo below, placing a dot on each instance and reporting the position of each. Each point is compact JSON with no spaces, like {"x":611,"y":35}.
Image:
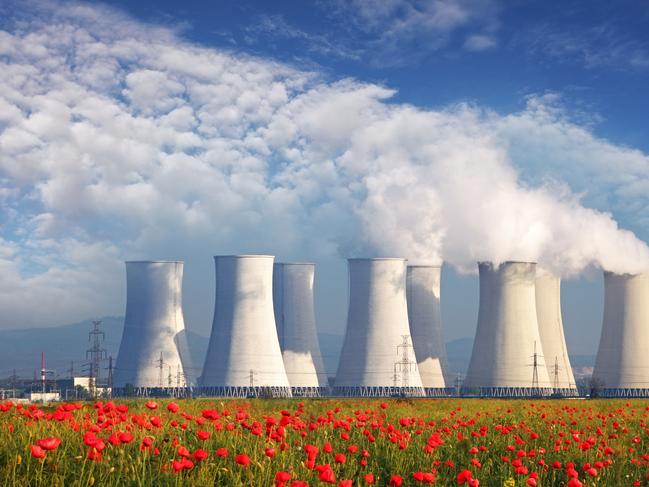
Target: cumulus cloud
{"x":120,"y":140}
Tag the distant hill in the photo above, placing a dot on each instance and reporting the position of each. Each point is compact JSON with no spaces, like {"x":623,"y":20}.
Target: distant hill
{"x":21,"y":349}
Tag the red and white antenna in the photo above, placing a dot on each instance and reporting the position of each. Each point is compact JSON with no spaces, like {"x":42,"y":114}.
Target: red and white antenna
{"x":43,"y":371}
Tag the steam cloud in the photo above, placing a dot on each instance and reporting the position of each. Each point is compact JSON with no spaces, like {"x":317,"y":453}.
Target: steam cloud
{"x":119,"y":140}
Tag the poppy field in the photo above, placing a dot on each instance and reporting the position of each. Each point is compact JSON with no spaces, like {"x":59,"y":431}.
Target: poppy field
{"x":326,"y":442}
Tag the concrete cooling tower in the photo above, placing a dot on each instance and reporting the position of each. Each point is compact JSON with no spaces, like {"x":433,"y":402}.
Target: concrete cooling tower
{"x":243,"y":355}
{"x":622,"y":364}
{"x":507,"y":352}
{"x":153,"y":353}
{"x":424,"y":315}
{"x":555,"y":352}
{"x":296,"y":328}
{"x":377,"y":357}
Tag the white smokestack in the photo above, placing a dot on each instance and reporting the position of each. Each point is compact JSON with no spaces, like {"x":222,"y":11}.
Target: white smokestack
{"x":154,"y":329}
{"x":507,"y":336}
{"x":622,"y":365}
{"x":373,"y":360}
{"x":555,"y":352}
{"x":424,"y":315}
{"x":296,"y":327}
{"x":243,"y":355}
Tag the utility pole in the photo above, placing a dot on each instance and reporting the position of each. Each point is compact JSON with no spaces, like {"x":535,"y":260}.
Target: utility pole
{"x":13,"y":378}
{"x":96,"y":354}
{"x":110,"y":375}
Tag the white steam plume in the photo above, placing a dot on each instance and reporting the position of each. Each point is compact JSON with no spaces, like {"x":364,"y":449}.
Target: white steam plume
{"x":121,"y":140}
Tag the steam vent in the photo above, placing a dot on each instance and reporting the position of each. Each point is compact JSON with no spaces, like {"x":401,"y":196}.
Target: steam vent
{"x":424,"y":315}
{"x":296,"y":328}
{"x":377,"y":358}
{"x":243,"y":356}
{"x":622,"y":365}
{"x":555,"y":351}
{"x":153,"y":349}
{"x":507,"y":356}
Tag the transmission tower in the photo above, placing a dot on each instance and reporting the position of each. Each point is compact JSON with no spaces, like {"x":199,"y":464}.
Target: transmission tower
{"x":95,"y":354}
{"x":161,"y":365}
{"x":404,"y":365}
{"x":535,"y":365}
{"x":71,"y":370}
{"x":13,"y":379}
{"x":556,"y":373}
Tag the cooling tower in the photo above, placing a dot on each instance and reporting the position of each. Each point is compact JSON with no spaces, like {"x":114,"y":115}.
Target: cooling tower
{"x":507,"y":342}
{"x":377,"y":357}
{"x":243,"y":355}
{"x":424,"y":315}
{"x":154,"y":345}
{"x":555,"y":352}
{"x":296,"y":328}
{"x":622,"y":365}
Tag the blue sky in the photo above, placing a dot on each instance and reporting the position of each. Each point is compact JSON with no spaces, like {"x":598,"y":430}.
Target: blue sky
{"x":596,"y":53}
{"x":444,"y":130}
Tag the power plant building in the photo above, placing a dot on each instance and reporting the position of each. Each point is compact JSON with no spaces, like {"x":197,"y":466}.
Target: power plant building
{"x":296,"y":328}
{"x":424,"y":315}
{"x":377,"y":358}
{"x":506,"y":359}
{"x":243,"y":356}
{"x":153,"y":353}
{"x":622,"y":364}
{"x":555,"y":351}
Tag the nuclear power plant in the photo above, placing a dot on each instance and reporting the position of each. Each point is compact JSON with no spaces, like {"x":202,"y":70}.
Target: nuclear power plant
{"x":555,"y":351}
{"x":243,"y":356}
{"x":424,"y":315}
{"x":377,"y":357}
{"x":264,"y":339}
{"x":507,"y":356}
{"x":296,"y":328}
{"x":622,"y":364}
{"x":153,"y":352}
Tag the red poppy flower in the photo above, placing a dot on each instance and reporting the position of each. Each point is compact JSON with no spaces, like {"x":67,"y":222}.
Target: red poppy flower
{"x":242,"y":459}
{"x":203,"y":435}
{"x":37,"y":451}
{"x":49,"y":443}
{"x":200,"y":455}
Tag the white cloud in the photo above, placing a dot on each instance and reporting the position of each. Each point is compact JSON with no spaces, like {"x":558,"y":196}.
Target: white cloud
{"x":120,"y":140}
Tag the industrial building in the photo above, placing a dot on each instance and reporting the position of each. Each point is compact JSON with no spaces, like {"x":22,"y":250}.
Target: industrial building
{"x":243,"y":356}
{"x":555,"y":351}
{"x":377,"y":358}
{"x":424,"y":316}
{"x":622,"y":364}
{"x":153,"y":351}
{"x":296,"y":328}
{"x":507,"y":355}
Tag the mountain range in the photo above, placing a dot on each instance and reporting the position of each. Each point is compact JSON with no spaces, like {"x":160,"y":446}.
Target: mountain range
{"x":65,"y":347}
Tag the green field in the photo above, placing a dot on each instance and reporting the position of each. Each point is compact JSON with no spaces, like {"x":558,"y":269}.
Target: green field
{"x":326,"y":442}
